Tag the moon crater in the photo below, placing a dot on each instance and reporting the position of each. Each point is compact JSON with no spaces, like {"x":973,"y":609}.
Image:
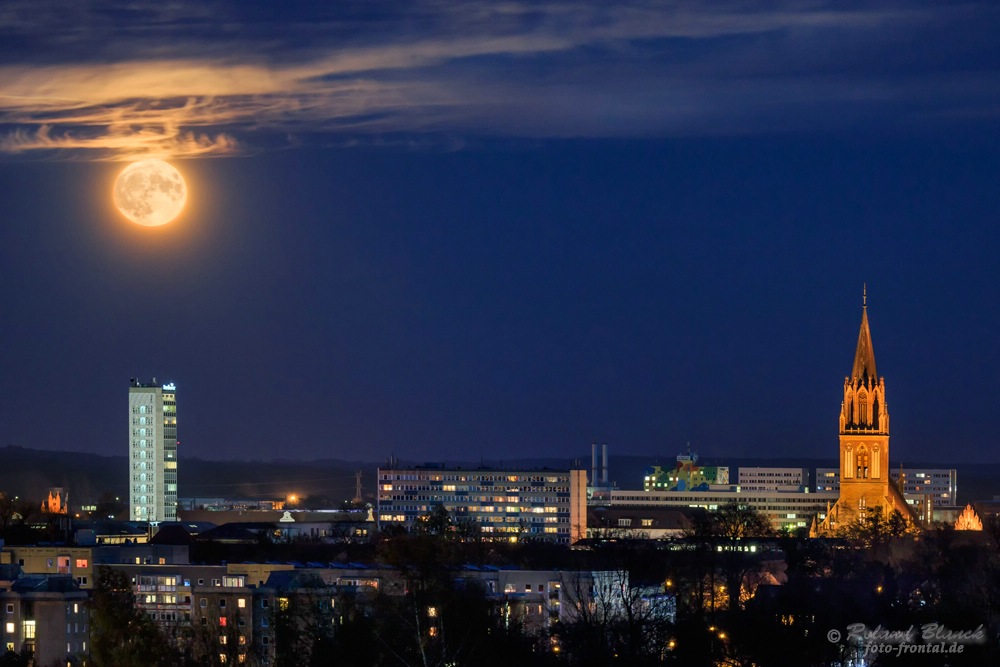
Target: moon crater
{"x":150,"y":192}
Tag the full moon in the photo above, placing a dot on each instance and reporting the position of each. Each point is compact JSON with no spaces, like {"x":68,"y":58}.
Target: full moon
{"x":150,"y":192}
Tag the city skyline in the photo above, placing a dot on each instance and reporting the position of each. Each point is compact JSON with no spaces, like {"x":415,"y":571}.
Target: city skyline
{"x":448,"y":233}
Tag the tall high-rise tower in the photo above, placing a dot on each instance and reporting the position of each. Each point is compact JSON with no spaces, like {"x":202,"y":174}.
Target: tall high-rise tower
{"x":864,"y":441}
{"x":152,"y":446}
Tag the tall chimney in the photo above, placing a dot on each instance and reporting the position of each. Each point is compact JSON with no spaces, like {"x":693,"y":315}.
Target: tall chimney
{"x":594,"y":479}
{"x":604,"y":464}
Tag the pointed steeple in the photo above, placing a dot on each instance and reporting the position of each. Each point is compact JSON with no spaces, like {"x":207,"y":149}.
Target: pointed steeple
{"x":864,"y":356}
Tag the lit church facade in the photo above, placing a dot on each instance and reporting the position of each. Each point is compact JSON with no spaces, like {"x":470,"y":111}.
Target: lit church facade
{"x":864,"y":444}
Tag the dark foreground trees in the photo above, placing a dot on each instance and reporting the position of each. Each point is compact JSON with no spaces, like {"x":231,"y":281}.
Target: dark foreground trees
{"x":121,"y":634}
{"x":730,"y":593}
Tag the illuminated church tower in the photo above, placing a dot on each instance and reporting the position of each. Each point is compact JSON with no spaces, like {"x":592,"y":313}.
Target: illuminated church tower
{"x":864,"y":442}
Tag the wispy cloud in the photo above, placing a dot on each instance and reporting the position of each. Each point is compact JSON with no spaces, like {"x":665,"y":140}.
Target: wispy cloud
{"x":117,"y":82}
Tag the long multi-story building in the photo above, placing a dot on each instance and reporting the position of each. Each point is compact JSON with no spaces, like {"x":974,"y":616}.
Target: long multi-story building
{"x":773,"y":479}
{"x":941,"y":484}
{"x":505,"y":504}
{"x":82,"y":563}
{"x":152,"y":451}
{"x":787,"y":510}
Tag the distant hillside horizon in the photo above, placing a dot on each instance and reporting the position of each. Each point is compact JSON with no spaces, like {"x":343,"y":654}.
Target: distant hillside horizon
{"x":30,"y":473}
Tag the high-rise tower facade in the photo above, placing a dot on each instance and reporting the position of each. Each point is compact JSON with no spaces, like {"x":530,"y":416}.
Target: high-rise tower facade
{"x":864,"y":442}
{"x":152,"y":449}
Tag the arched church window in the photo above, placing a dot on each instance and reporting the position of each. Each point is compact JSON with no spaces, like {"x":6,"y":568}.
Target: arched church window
{"x":862,"y":467}
{"x":863,"y":416}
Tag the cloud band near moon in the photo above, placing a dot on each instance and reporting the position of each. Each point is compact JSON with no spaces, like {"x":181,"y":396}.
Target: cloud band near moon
{"x":552,"y":70}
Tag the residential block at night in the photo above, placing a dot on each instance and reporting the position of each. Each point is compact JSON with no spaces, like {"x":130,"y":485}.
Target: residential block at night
{"x":506,"y":504}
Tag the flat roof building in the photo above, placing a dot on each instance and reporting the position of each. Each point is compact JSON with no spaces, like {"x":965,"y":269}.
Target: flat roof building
{"x":152,"y":451}
{"x":915,"y":483}
{"x":787,"y":510}
{"x":511,"y":504}
{"x":773,"y":479}
{"x":45,"y":615}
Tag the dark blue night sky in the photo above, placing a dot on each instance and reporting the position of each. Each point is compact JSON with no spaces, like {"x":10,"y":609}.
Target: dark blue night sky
{"x":463,"y":231}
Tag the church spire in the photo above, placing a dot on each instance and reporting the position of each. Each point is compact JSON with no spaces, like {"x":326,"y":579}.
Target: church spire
{"x":864,"y":355}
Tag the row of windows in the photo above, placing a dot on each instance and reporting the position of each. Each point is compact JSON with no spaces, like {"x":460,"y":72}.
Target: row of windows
{"x":445,"y":488}
{"x":468,"y":500}
{"x":456,"y":477}
{"x":694,"y":496}
{"x":751,"y":475}
{"x":172,"y":616}
{"x":27,"y":629}
{"x":241,"y":603}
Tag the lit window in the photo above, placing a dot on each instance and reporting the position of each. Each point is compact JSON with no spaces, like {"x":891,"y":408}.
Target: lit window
{"x":81,"y":562}
{"x":241,"y":603}
{"x":10,"y":628}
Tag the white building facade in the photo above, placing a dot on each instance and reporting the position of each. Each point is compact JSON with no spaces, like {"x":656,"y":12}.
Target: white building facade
{"x":152,"y":451}
{"x":787,"y":510}
{"x":773,"y":479}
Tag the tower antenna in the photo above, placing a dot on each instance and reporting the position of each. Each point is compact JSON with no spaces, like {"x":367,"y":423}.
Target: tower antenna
{"x":864,"y":295}
{"x":357,"y":486}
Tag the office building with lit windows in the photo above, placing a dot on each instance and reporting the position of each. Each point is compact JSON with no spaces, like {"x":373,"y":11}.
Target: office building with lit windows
{"x":505,"y":504}
{"x":752,"y":478}
{"x":152,"y":451}
{"x":941,"y":484}
{"x":787,"y":510}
